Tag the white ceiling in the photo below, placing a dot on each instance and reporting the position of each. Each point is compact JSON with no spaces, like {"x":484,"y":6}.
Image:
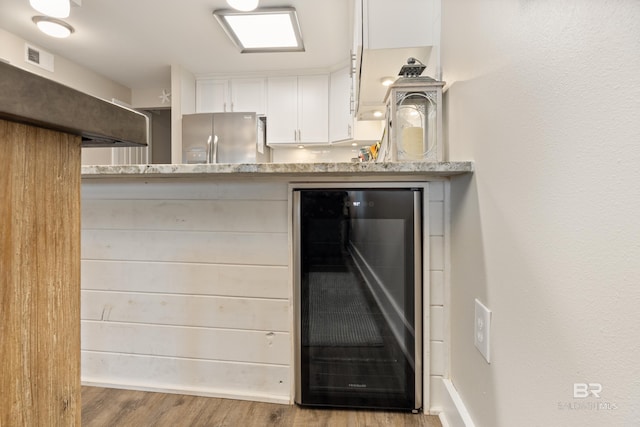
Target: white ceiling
{"x":134,"y":42}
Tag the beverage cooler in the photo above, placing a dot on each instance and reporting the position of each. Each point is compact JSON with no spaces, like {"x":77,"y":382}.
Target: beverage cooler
{"x":358,"y":296}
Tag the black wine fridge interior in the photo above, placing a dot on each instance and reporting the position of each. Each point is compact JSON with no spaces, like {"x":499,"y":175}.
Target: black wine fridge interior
{"x":358,"y":296}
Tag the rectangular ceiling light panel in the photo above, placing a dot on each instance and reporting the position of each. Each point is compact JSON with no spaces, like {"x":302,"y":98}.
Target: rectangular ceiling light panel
{"x":262,"y":30}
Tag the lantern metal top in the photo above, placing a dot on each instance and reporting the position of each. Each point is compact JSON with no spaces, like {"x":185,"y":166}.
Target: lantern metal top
{"x":414,"y":83}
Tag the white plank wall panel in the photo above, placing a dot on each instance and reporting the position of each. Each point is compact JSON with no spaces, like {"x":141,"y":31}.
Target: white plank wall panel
{"x":193,"y":343}
{"x":185,"y":287}
{"x":262,"y":382}
{"x":252,"y":281}
{"x":183,"y":189}
{"x":438,"y":261}
{"x":192,"y":215}
{"x":188,"y":246}
{"x":186,"y":310}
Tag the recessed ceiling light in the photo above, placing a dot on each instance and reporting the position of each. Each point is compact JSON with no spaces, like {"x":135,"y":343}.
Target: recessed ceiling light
{"x":53,"y":27}
{"x":387,"y":81}
{"x":377,"y":113}
{"x":300,"y":146}
{"x":53,"y":8}
{"x":263,"y":30}
{"x":244,"y":5}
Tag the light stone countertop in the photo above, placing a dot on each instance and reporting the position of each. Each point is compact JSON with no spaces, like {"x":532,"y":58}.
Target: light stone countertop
{"x":422,"y":169}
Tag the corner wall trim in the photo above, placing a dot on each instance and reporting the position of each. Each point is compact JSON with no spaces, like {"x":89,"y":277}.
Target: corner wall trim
{"x":454,"y":413}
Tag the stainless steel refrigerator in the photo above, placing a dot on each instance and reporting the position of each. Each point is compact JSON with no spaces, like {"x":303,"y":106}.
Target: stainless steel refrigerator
{"x":224,"y":138}
{"x":358,"y":296}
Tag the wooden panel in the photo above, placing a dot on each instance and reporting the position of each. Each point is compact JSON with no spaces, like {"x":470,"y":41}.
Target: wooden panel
{"x":223,"y":379}
{"x":216,"y":312}
{"x":187,"y":278}
{"x":187,"y":246}
{"x":184,"y":189}
{"x":40,"y":277}
{"x":194,"y":343}
{"x":190,"y":215}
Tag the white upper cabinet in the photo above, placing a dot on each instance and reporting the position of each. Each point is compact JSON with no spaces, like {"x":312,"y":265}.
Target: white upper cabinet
{"x":282,"y":110}
{"x":231,"y":95}
{"x":386,"y":34}
{"x":212,"y":96}
{"x":249,"y":95}
{"x":342,"y":123}
{"x":313,"y":108}
{"x":298,"y":110}
{"x":396,"y":24}
{"x":340,"y":112}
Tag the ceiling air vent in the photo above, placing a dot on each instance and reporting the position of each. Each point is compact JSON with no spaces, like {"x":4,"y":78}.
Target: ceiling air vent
{"x":38,"y":57}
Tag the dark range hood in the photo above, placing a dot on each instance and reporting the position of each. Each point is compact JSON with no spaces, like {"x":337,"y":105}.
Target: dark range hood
{"x":28,"y":98}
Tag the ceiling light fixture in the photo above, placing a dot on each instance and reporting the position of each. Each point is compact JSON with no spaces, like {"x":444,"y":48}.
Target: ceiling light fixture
{"x":53,"y":27}
{"x":243,"y":5}
{"x":387,"y":81}
{"x":263,"y":30}
{"x":377,"y":113}
{"x":53,"y":8}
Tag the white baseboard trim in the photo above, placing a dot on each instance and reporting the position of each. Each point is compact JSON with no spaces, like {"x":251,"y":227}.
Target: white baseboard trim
{"x":454,"y":413}
{"x":283,"y":400}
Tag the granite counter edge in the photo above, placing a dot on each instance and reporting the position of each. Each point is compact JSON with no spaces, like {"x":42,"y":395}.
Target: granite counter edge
{"x":441,"y":169}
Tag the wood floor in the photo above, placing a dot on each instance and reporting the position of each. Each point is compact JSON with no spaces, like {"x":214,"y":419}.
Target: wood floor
{"x":104,"y":407}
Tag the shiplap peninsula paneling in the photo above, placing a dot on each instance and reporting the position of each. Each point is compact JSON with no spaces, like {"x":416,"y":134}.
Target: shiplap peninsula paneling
{"x":185,"y":287}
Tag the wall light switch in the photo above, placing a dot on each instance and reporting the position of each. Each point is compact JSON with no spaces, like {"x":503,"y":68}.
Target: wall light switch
{"x":482,"y":329}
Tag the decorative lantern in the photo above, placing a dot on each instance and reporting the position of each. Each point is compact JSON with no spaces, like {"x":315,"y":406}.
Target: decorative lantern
{"x":414,"y":119}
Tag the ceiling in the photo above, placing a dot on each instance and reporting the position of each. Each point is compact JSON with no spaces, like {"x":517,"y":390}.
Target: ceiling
{"x":134,"y":42}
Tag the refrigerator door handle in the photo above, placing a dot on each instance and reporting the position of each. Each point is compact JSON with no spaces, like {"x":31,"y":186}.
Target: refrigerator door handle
{"x":214,"y":150}
{"x":417,"y":297}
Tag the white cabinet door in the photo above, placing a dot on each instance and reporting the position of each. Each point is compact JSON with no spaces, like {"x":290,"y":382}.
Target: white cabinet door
{"x":249,"y":95}
{"x":313,"y":109}
{"x":298,"y":110}
{"x":340,"y":97}
{"x":398,"y":23}
{"x":282,"y":110}
{"x":224,"y":96}
{"x":212,"y":96}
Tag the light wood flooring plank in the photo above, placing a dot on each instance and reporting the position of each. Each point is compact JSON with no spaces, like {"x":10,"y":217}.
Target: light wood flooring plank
{"x":103,"y":407}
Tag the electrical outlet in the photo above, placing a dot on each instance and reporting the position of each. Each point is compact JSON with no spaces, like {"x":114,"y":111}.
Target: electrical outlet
{"x":482,"y":329}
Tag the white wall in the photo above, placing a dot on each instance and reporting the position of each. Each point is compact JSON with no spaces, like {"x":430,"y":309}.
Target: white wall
{"x":183,"y":101}
{"x":65,"y":72}
{"x":544,"y":96}
{"x":148,"y":98}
